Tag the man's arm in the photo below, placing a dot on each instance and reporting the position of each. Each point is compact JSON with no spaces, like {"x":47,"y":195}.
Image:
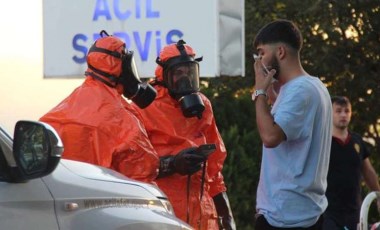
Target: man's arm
{"x":369,"y":175}
{"x":371,"y":179}
{"x":271,"y":134}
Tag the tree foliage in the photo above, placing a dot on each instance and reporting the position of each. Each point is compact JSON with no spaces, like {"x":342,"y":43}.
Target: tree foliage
{"x":341,"y":47}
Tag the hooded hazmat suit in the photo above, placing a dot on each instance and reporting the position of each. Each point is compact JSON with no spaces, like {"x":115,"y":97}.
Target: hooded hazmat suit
{"x":98,"y":126}
{"x":170,"y":131}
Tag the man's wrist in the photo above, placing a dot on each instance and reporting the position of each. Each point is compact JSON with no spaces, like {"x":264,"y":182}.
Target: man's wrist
{"x":257,"y":93}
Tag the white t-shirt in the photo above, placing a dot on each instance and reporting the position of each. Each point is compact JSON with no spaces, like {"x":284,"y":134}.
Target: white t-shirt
{"x":293,"y":178}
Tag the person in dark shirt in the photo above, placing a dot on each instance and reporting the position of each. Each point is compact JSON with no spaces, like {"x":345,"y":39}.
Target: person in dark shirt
{"x":349,"y":163}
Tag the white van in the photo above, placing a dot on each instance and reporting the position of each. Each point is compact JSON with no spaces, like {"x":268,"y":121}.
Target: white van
{"x":39,"y":190}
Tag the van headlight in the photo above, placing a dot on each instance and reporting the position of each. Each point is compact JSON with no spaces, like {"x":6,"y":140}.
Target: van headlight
{"x":168,"y":206}
{"x":162,"y":204}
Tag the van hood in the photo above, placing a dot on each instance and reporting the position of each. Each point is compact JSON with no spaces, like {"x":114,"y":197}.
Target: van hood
{"x":94,"y":172}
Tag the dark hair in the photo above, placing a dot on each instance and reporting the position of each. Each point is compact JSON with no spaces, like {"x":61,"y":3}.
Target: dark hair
{"x":340,"y":100}
{"x":279,"y":31}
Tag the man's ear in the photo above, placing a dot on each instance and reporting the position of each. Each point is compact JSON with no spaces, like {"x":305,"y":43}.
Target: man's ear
{"x":281,"y":52}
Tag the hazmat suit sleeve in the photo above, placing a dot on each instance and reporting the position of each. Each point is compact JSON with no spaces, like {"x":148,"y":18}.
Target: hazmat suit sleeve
{"x":216,"y":160}
{"x":134,"y":155}
{"x":216,"y":181}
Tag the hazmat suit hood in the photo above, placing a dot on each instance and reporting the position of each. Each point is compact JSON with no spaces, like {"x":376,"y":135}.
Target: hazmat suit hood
{"x":109,"y":62}
{"x":178,"y":71}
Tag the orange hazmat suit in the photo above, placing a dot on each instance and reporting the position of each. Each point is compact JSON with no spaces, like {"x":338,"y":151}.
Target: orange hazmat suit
{"x":169,"y":132}
{"x":98,"y":126}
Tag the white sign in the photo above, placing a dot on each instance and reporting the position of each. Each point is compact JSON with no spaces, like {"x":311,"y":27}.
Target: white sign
{"x":71,"y":27}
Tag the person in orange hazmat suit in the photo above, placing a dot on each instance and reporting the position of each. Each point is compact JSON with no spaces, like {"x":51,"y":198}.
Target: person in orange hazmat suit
{"x":182,"y":117}
{"x":98,"y":126}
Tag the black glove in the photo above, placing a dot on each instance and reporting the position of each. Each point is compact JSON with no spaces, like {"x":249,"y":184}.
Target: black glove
{"x":222,"y":205}
{"x":186,"y":162}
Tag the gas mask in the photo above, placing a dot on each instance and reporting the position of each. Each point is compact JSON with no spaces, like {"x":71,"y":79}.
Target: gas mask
{"x":181,"y":77}
{"x":142,"y":94}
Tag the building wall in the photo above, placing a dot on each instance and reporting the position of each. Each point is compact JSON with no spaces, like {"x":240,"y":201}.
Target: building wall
{"x":24,"y":93}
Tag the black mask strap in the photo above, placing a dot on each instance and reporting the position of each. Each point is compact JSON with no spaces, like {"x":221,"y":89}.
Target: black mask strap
{"x":107,"y":75}
{"x":184,"y":57}
{"x":181,"y":47}
{"x":99,"y":78}
{"x":159,"y":62}
{"x":101,"y":50}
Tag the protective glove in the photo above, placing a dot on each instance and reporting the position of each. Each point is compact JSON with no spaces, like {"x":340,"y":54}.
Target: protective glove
{"x":222,"y":205}
{"x":186,"y":162}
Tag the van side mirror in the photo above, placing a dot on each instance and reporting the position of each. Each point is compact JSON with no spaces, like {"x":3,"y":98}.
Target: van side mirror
{"x":37,"y":149}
